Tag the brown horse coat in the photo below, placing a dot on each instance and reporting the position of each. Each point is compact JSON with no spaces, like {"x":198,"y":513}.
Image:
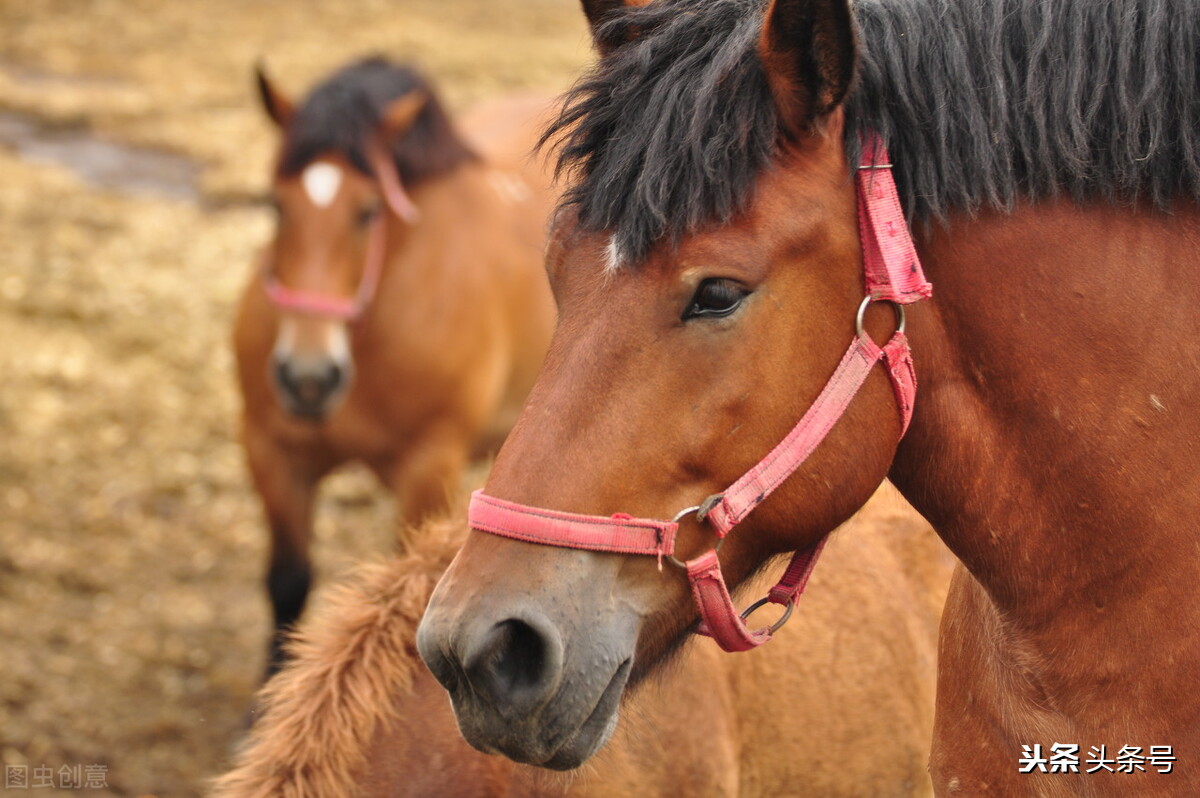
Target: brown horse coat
{"x":840,"y":704}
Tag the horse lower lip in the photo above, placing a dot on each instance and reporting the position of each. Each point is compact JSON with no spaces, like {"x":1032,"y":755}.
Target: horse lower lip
{"x":299,"y":408}
{"x":595,"y":725}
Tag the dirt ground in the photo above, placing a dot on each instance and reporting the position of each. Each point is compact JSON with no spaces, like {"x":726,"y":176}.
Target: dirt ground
{"x":132,"y":618}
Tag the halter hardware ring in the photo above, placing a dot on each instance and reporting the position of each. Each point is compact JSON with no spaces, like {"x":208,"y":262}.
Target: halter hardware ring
{"x":701,"y":510}
{"x":684,"y":513}
{"x":773,"y":628}
{"x":901,"y":320}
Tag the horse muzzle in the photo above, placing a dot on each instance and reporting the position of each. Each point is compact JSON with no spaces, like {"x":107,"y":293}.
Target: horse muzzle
{"x":310,"y":388}
{"x":526,"y":685}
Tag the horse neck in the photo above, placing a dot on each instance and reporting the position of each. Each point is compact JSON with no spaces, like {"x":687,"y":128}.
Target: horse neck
{"x":415,"y":255}
{"x":1053,"y":443}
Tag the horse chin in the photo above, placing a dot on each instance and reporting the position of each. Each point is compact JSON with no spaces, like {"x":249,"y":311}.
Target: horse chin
{"x":312,"y":415}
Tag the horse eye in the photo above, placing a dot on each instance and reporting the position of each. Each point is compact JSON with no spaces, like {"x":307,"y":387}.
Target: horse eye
{"x":367,"y":213}
{"x":714,"y":299}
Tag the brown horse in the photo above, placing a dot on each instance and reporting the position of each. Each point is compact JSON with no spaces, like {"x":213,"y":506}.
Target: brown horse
{"x":400,"y":314}
{"x":707,"y":269}
{"x":356,"y":714}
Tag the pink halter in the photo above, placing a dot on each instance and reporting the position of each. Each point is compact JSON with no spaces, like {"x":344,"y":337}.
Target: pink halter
{"x":893,"y":274}
{"x":351,"y":308}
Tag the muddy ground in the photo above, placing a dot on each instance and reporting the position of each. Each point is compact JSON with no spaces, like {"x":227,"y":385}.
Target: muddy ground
{"x":132,"y":620}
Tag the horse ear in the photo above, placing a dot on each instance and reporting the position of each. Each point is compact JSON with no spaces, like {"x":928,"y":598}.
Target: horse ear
{"x":598,"y":12}
{"x":276,"y":104}
{"x":399,"y":116}
{"x":809,"y":51}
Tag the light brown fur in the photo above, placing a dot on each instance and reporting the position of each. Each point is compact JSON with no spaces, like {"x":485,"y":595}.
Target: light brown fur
{"x":839,"y":705}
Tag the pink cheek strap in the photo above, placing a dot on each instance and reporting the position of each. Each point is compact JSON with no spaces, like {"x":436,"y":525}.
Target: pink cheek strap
{"x":719,"y":619}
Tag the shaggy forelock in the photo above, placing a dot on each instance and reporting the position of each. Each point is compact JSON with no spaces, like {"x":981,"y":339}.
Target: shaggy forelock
{"x":344,"y":112}
{"x":982,"y":103}
{"x":668,"y":131}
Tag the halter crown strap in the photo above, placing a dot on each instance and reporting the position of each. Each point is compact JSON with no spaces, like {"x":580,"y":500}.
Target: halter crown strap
{"x":892,"y":273}
{"x":394,"y":194}
{"x":890,"y":263}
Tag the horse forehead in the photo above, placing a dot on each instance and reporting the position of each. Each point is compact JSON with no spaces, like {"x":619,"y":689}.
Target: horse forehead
{"x":594,"y":259}
{"x":321,"y":181}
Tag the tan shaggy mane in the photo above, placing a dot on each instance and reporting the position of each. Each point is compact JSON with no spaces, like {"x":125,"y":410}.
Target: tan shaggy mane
{"x":351,"y":659}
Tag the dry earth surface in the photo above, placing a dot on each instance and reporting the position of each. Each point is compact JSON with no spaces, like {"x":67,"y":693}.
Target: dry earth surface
{"x":132,"y":620}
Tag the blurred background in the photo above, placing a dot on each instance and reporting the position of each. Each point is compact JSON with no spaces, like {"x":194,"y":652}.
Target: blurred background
{"x":133,"y":164}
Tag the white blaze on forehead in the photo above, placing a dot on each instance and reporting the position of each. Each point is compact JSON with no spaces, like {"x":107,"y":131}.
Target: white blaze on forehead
{"x":322,"y":180}
{"x":613,"y":257}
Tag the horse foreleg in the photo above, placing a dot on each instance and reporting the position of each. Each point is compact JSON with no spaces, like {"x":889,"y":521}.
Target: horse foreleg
{"x":426,"y":478}
{"x":287,"y":494}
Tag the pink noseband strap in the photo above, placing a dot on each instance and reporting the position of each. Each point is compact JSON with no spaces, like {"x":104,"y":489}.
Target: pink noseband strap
{"x":892,"y":273}
{"x":621,"y":534}
{"x":309,"y":303}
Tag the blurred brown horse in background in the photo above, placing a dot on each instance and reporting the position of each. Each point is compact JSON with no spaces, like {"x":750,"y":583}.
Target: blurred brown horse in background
{"x":843,"y":707}
{"x":400,"y":314}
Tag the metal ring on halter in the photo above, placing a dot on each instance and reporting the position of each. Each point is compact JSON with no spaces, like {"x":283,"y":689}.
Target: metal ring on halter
{"x":686,"y":511}
{"x":862,"y":309}
{"x":773,"y":628}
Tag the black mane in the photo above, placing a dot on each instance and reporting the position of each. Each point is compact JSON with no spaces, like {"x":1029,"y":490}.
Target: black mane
{"x":342,"y":113}
{"x":982,"y":102}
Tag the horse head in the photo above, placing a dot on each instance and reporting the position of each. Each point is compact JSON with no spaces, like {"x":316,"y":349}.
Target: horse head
{"x":707,"y":269}
{"x":340,"y":204}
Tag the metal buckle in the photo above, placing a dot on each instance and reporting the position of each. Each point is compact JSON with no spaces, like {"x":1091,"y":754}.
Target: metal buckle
{"x":901,"y":321}
{"x":701,"y":510}
{"x":773,"y":628}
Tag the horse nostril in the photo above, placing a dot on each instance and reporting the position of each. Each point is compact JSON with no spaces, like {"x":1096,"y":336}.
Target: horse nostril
{"x":515,"y":665}
{"x":520,"y":655}
{"x":308,"y":385}
{"x":283,"y":374}
{"x":333,"y":378}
